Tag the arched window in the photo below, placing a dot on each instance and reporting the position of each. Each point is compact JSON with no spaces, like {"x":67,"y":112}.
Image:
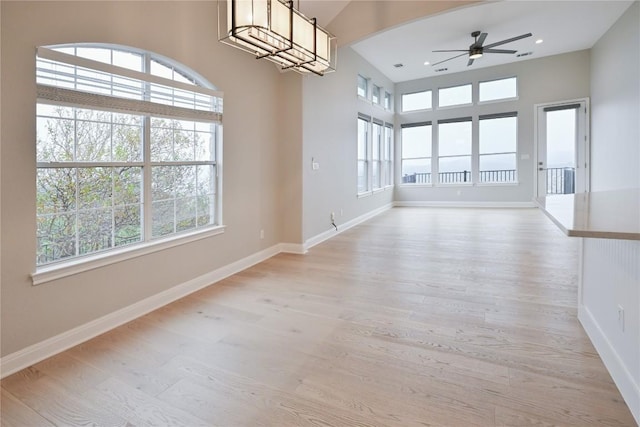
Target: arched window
{"x":128,"y":144}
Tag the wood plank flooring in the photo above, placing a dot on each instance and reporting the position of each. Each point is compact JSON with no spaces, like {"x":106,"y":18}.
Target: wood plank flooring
{"x":418,"y":317}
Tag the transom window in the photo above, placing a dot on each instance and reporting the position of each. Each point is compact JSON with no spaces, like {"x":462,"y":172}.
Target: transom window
{"x":416,"y":101}
{"x":498,"y":89}
{"x":127,"y":148}
{"x":456,"y":95}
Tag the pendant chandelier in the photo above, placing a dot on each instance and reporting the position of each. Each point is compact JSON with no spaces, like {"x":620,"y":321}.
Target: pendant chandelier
{"x":274,"y":30}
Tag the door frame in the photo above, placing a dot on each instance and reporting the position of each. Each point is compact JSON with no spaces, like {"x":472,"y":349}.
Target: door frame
{"x":586,"y":145}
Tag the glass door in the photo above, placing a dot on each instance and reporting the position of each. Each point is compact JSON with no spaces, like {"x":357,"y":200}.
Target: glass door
{"x":562,"y":149}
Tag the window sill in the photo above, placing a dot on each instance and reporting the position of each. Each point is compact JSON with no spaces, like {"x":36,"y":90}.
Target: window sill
{"x":415,"y":185}
{"x":48,"y":273}
{"x":497,"y":184}
{"x":496,"y":101}
{"x":367,"y":194}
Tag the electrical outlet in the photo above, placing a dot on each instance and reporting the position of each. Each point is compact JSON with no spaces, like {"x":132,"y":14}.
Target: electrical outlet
{"x":341,"y":212}
{"x":261,"y":234}
{"x":621,"y":317}
{"x":333,"y":216}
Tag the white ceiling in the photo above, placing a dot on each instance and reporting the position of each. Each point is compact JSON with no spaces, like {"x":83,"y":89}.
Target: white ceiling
{"x":565,"y":26}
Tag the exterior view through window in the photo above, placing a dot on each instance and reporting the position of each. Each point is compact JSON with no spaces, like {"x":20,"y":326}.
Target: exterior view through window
{"x":126,"y":150}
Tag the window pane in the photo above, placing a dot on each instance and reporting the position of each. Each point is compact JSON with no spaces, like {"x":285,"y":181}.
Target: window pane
{"x":454,"y":138}
{"x":416,"y":171}
{"x":498,"y":135}
{"x":127,"y":138}
{"x":454,"y":169}
{"x":94,"y":188}
{"x":185,"y":213}
{"x":498,"y":167}
{"x":128,"y":225}
{"x":387,"y":100}
{"x":56,"y":190}
{"x":416,"y":142}
{"x":375,"y":174}
{"x":376,"y":142}
{"x":457,"y":95}
{"x":56,"y":237}
{"x":206,"y":210}
{"x":162,"y":187}
{"x":93,"y":133}
{"x":363,"y":127}
{"x":362,"y":86}
{"x":55,"y":136}
{"x":498,"y":89}
{"x":375,"y":97}
{"x":416,"y":101}
{"x":132,"y":61}
{"x":127,"y":186}
{"x":94,"y":230}
{"x":162,"y":222}
{"x":362,"y":176}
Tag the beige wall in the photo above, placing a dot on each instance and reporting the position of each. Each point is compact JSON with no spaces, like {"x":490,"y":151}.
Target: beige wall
{"x":185,"y":32}
{"x":330,"y":113}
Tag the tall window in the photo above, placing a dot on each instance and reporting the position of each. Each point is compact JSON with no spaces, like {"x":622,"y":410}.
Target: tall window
{"x":416,"y":153}
{"x":454,"y":150}
{"x":126,"y":150}
{"x":376,"y":155}
{"x":498,"y":142}
{"x":387,"y":156}
{"x":363,"y":155}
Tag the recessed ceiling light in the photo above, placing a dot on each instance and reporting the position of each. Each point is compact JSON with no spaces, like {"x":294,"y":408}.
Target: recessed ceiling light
{"x":539,"y":41}
{"x":398,"y":65}
{"x":426,"y":62}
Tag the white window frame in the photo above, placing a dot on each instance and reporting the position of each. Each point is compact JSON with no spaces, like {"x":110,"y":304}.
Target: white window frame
{"x":56,"y":95}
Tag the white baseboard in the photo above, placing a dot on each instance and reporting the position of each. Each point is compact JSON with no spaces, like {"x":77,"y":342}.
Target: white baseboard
{"x":292,"y":248}
{"x":629,"y":389}
{"x":428,"y":204}
{"x":54,"y":345}
{"x":309,"y":243}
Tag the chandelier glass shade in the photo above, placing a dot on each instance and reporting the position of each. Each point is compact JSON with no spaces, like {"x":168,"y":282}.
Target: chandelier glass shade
{"x":276,"y":31}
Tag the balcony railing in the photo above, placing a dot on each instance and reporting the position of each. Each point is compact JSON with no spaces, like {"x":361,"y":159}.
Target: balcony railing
{"x":505,"y":175}
{"x":561,"y":180}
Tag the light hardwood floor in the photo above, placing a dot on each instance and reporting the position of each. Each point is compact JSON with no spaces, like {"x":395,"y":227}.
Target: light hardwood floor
{"x":451,"y":317}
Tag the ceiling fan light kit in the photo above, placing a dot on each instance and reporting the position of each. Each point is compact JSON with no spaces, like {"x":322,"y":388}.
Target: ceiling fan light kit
{"x":477,"y":49}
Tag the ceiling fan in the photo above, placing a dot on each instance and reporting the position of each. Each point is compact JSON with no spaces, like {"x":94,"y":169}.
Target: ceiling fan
{"x":476,"y":50}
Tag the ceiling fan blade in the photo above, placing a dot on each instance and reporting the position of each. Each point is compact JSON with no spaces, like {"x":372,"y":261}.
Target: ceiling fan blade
{"x":452,"y":50}
{"x":480,"y":40}
{"x":449,"y":59}
{"x":470,"y":62}
{"x":508,"y":40}
{"x":498,"y":51}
